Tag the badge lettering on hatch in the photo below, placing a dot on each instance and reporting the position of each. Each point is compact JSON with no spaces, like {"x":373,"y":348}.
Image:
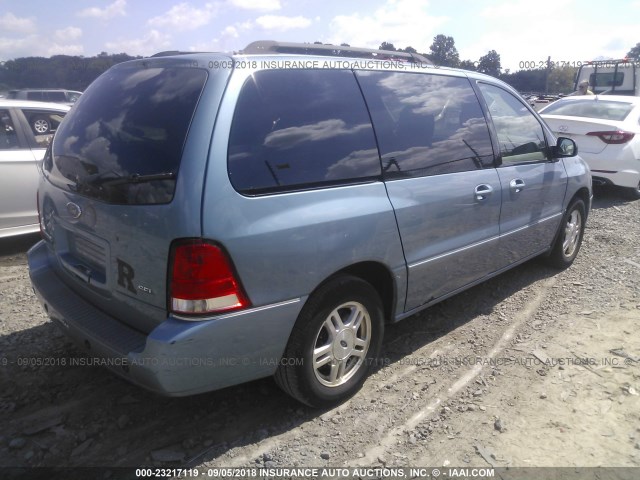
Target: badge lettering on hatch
{"x":126,"y":274}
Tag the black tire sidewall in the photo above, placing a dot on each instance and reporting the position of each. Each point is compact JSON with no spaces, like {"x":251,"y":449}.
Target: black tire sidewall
{"x":341,"y":290}
{"x":558,"y":256}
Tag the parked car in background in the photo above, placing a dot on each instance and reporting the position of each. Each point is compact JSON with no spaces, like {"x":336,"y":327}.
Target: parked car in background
{"x":52,"y":95}
{"x":22,"y":147}
{"x":210,"y":219}
{"x":41,"y":124}
{"x":606,"y":129}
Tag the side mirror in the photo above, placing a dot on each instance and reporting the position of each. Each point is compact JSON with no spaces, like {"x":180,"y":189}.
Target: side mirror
{"x":565,"y":148}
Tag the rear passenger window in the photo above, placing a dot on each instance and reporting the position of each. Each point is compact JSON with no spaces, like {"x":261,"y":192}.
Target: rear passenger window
{"x":297,"y":129}
{"x":55,"y":97}
{"x":426,"y":124}
{"x":36,"y":96}
{"x":520,"y":135}
{"x":8,"y":136}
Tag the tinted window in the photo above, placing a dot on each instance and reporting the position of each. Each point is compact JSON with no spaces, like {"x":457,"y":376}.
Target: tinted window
{"x":603,"y":109}
{"x":606,"y":79}
{"x":426,"y":124}
{"x":55,"y":97}
{"x":520,"y":134}
{"x":72,"y":96}
{"x":8,"y":136}
{"x":130,"y":124}
{"x":297,"y":129}
{"x":36,"y":96}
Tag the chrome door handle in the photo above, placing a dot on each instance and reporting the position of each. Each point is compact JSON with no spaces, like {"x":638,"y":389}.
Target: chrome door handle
{"x":517,"y":185}
{"x":483,"y":191}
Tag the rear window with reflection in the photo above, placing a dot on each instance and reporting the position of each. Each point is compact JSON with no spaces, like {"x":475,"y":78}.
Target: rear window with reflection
{"x":123,"y":141}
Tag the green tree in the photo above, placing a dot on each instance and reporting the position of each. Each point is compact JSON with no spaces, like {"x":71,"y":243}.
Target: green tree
{"x":443,"y":51}
{"x":59,"y":71}
{"x":490,"y":64}
{"x":387,"y":46}
{"x":409,"y":50}
{"x":561,"y":79}
{"x":526,"y":80}
{"x":468,"y":65}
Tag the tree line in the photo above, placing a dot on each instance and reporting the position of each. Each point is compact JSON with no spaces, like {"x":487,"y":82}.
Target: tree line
{"x":76,"y":73}
{"x":548,"y":78}
{"x":58,"y":71}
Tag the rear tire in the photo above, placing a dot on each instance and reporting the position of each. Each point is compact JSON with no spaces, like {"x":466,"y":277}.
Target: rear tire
{"x":334,"y":343}
{"x":569,"y":238}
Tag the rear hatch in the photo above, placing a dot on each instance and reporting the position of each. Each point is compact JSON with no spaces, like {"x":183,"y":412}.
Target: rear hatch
{"x":124,"y":178}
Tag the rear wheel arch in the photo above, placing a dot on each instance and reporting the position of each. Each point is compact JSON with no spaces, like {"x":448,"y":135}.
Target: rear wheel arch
{"x":381,"y":279}
{"x":364,"y":289}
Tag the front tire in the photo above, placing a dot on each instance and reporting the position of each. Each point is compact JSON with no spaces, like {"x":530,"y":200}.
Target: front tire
{"x":334,"y":343}
{"x":569,"y":238}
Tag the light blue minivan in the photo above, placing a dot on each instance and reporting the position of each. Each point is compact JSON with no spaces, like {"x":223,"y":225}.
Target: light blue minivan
{"x":211,"y":219}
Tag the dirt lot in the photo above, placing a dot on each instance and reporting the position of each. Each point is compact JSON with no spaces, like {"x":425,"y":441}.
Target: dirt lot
{"x":533,"y":368}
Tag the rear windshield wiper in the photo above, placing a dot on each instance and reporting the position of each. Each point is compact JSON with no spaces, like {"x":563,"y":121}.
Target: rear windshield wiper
{"x":133,"y":178}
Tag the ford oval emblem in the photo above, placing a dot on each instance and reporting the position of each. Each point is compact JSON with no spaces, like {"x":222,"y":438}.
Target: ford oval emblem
{"x":74,"y":210}
{"x":563,"y":128}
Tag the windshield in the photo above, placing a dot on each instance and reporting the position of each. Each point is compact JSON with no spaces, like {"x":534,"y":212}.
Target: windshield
{"x":601,"y":109}
{"x":130,"y":123}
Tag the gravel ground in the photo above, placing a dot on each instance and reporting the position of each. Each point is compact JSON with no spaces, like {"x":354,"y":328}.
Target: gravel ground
{"x":533,"y":368}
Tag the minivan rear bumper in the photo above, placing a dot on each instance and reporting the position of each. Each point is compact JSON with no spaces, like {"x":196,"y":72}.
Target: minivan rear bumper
{"x":178,"y":357}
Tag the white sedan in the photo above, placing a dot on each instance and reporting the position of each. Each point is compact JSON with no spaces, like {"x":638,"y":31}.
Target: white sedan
{"x":606,"y":129}
{"x":26,"y":129}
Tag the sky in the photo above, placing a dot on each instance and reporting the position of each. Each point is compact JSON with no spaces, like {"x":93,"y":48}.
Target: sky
{"x":520,"y":31}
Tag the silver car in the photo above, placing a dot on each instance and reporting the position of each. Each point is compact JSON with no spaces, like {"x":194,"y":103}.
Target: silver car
{"x":26,"y":129}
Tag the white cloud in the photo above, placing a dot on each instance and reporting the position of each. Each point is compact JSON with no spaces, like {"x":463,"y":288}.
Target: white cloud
{"x":282,"y":23}
{"x":226,"y":41}
{"x":185,"y":17}
{"x":66,"y":34}
{"x":10,"y":23}
{"x":71,"y":49}
{"x":115,"y":9}
{"x":27,"y":46}
{"x":35,"y":46}
{"x":401,"y":22}
{"x":262,"y":5}
{"x":152,"y":42}
{"x":230,"y":32}
{"x":573,"y":41}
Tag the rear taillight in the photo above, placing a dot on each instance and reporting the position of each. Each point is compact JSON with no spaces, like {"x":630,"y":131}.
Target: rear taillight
{"x":613,"y":137}
{"x":202,"y":280}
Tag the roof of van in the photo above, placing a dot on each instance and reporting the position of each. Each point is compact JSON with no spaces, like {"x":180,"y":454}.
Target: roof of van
{"x":297,"y":55}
